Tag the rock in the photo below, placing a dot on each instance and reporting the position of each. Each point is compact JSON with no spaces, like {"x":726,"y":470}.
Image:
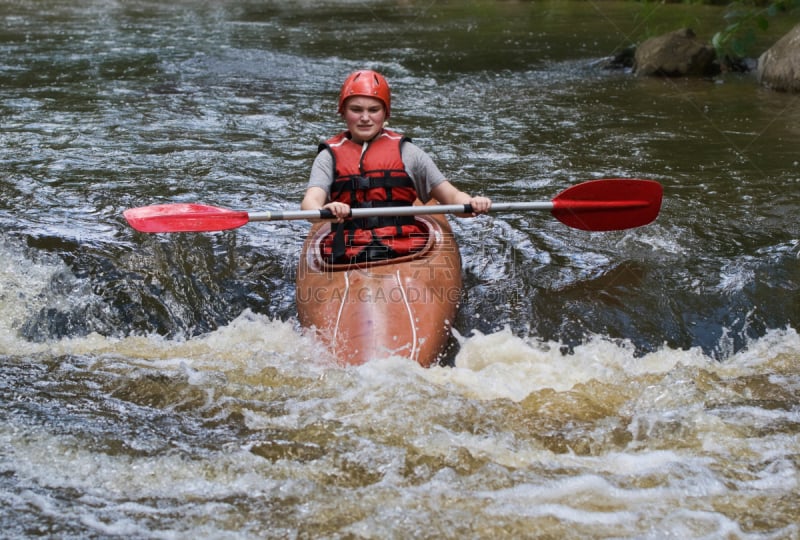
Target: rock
{"x":677,"y":54}
{"x":779,"y":66}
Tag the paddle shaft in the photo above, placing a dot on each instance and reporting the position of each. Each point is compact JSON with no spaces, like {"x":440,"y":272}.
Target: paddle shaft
{"x":324,"y":213}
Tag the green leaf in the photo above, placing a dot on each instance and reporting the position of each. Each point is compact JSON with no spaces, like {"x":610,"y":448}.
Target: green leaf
{"x":716,"y":41}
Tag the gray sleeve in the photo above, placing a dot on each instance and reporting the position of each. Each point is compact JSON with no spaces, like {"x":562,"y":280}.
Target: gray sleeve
{"x":322,"y":172}
{"x":422,"y":170}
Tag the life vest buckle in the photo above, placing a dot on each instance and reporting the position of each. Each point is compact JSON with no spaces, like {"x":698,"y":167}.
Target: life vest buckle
{"x":361,"y":182}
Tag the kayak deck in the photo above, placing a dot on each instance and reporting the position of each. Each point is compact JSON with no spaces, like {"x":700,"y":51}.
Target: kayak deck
{"x":398,"y":307}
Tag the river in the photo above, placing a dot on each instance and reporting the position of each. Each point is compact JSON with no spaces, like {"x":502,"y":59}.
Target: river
{"x":629,"y":384}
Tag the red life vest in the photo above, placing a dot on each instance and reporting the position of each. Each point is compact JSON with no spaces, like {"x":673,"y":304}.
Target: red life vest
{"x":371,"y":178}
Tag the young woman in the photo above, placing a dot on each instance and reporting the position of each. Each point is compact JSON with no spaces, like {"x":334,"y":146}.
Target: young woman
{"x":370,"y":166}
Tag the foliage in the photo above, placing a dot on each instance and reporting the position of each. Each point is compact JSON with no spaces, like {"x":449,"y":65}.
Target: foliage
{"x":746,"y":19}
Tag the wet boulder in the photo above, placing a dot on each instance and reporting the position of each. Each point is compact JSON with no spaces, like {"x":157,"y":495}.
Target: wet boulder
{"x":677,"y":54}
{"x":779,"y":66}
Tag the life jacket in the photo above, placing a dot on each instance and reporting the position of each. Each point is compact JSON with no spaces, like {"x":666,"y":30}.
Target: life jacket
{"x":371,"y":177}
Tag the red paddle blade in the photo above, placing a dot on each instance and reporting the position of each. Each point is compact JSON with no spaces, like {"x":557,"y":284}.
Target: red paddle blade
{"x":609,"y":205}
{"x":167,"y":218}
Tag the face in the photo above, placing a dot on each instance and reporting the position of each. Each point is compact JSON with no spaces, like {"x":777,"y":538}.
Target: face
{"x":364,"y":117}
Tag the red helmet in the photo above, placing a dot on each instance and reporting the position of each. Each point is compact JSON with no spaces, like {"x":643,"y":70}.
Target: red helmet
{"x":366,"y":83}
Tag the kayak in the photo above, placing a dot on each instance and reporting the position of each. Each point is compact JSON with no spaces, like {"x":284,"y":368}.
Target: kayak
{"x":398,"y":307}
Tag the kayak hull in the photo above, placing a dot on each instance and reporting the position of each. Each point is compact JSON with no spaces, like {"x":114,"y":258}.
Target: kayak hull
{"x":401,"y":307}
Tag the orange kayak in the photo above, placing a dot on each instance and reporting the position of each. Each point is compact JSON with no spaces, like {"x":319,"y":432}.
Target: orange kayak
{"x":400,"y":307}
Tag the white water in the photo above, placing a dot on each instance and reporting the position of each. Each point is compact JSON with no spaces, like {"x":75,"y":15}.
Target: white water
{"x":516,"y":440}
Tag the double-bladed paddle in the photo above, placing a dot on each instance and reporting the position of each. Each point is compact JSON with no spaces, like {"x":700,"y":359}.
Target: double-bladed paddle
{"x":596,"y":205}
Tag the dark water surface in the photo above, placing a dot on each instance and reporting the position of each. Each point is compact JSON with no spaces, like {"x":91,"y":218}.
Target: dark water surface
{"x":640,"y":383}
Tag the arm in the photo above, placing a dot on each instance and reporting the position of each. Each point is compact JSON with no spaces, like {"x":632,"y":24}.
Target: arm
{"x":316,"y":199}
{"x":447,"y":193}
{"x":426,"y":174}
{"x":316,"y":196}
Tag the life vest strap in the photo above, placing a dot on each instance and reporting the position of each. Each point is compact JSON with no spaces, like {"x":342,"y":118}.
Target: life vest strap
{"x":356,"y":183}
